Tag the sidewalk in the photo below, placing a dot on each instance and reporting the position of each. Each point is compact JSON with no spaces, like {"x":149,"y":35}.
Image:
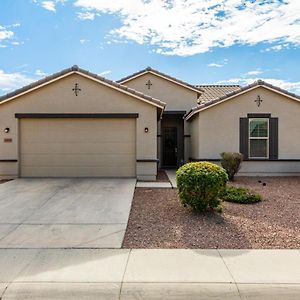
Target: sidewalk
{"x":149,"y":274}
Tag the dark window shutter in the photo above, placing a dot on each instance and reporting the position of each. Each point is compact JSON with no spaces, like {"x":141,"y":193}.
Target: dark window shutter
{"x":244,"y":136}
{"x":273,"y":139}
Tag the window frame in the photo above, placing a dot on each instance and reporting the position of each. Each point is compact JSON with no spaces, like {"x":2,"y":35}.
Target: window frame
{"x":267,"y":138}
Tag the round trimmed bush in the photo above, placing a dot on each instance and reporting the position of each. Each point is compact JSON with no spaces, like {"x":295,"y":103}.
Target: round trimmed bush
{"x":200,"y":184}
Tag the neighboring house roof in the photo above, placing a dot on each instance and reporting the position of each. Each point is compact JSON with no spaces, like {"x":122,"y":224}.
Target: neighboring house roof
{"x":242,"y":90}
{"x":215,"y":91}
{"x":76,"y":70}
{"x":162,"y":75}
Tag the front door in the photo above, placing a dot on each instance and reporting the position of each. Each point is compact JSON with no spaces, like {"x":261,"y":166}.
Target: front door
{"x":170,"y":147}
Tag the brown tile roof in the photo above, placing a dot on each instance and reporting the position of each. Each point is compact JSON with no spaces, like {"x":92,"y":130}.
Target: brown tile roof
{"x":76,"y":69}
{"x":149,"y":69}
{"x":236,"y":93}
{"x":212,"y":92}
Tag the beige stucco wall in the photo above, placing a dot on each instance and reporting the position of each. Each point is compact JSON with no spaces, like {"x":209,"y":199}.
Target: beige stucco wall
{"x":94,"y":97}
{"x":175,"y":96}
{"x":194,"y":139}
{"x":218,"y":128}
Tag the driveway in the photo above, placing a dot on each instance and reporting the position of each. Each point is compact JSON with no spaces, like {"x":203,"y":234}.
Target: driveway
{"x":64,"y":213}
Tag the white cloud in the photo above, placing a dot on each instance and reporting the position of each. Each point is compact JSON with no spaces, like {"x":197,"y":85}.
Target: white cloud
{"x":254,"y":72}
{"x":49,"y":5}
{"x":83,"y":41}
{"x":104,"y":73}
{"x":290,"y":86}
{"x":5,"y":34}
{"x":40,"y":73}
{"x":187,"y":27}
{"x":215,"y":65}
{"x":86,"y":15}
{"x":219,"y":65}
{"x":11,"y":81}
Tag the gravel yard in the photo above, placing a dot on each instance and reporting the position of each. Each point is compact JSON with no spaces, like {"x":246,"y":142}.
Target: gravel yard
{"x":158,"y":221}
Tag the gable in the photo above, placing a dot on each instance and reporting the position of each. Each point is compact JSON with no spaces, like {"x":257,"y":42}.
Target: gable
{"x":175,"y":96}
{"x":272,"y":96}
{"x":93,"y":77}
{"x":59,"y":97}
{"x":148,"y":70}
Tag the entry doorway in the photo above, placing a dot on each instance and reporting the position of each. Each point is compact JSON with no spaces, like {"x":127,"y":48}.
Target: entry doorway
{"x":170,"y":147}
{"x":172,"y":140}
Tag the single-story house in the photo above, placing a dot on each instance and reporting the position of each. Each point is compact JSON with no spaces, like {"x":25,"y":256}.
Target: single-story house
{"x":77,"y":124}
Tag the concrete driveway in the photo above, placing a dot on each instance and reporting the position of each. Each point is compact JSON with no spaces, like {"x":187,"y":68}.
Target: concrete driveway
{"x":64,"y":213}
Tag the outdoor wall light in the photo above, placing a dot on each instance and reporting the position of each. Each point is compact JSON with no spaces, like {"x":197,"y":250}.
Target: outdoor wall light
{"x":146,"y":129}
{"x":6,"y":130}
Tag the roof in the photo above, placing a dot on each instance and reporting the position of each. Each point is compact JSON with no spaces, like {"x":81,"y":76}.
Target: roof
{"x":163,"y":75}
{"x":242,"y":90}
{"x":76,"y":70}
{"x":215,"y":91}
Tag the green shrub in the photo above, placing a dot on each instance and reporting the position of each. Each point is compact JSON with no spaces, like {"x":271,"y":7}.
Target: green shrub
{"x":240,"y":195}
{"x":200,"y":184}
{"x":231,"y":162}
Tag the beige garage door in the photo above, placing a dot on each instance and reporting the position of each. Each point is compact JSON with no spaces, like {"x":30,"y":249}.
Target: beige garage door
{"x":77,"y":148}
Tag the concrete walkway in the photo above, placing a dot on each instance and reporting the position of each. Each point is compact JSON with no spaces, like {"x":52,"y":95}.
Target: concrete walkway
{"x":149,"y":274}
{"x":172,"y":177}
{"x":157,"y":185}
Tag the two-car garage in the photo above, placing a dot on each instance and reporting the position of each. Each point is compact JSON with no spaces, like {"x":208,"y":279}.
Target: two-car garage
{"x":77,"y":147}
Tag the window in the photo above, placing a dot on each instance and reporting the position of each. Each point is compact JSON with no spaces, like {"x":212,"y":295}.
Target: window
{"x":258,"y":138}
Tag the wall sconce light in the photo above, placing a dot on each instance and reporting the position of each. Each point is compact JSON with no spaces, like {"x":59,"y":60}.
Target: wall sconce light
{"x":6,"y":130}
{"x":146,"y":129}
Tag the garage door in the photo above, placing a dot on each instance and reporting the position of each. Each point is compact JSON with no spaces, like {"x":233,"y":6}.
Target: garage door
{"x":77,"y":148}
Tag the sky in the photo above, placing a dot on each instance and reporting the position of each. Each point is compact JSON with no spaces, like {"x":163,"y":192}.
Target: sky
{"x":200,"y":42}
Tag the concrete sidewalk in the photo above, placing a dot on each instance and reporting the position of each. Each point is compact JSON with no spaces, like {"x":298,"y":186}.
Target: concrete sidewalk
{"x":149,"y":274}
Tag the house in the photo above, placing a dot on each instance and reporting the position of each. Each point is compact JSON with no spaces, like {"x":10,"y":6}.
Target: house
{"x":77,"y":124}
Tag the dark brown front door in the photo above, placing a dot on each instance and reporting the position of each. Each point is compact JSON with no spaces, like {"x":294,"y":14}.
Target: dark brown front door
{"x":170,"y":147}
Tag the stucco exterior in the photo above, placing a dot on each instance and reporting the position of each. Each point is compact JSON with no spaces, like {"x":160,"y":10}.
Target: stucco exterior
{"x":149,"y":126}
{"x":215,"y":129}
{"x":94,"y":97}
{"x":177,"y":97}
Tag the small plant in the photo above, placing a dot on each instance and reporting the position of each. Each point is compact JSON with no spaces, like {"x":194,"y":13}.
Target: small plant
{"x":200,"y":184}
{"x":240,"y":195}
{"x":231,"y":162}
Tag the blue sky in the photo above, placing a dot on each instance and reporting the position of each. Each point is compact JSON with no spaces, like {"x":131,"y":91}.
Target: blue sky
{"x":201,"y":42}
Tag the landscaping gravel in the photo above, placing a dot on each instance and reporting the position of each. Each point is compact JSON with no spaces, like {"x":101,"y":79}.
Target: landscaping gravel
{"x":158,"y":221}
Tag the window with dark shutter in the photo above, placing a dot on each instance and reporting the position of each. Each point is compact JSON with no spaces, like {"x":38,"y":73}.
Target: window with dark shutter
{"x":244,"y":137}
{"x":259,"y":137}
{"x":273,"y":141}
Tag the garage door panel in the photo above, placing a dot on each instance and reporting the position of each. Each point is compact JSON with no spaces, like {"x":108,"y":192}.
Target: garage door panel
{"x":77,"y":160}
{"x":71,"y":137}
{"x":77,"y":147}
{"x":84,"y":171}
{"x":82,"y":130}
{"x":81,"y":136}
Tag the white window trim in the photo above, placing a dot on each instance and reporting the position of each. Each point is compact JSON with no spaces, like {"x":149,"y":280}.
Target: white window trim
{"x":267,"y":138}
